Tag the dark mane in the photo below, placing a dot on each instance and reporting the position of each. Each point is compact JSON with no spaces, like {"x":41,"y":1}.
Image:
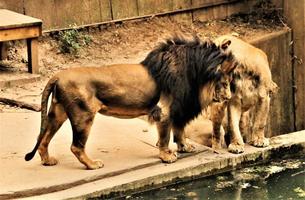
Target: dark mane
{"x":181,"y":67}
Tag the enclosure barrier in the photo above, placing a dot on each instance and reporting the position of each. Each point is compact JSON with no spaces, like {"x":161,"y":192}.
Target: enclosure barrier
{"x":61,"y":14}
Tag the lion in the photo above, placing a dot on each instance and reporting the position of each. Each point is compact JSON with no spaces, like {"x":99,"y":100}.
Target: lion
{"x":252,"y":86}
{"x":184,"y":73}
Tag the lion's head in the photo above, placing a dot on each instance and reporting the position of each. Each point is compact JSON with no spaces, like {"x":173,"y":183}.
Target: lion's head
{"x":222,"y":85}
{"x":222,"y":91}
{"x":188,"y":70}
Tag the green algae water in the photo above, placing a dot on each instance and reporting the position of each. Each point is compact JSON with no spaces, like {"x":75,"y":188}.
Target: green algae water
{"x":283,"y":179}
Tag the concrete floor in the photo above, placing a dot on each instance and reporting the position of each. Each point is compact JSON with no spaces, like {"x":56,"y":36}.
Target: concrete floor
{"x":127,"y":148}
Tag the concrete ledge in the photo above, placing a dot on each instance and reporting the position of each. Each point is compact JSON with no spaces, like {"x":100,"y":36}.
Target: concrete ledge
{"x":200,"y":165}
{"x":14,"y":79}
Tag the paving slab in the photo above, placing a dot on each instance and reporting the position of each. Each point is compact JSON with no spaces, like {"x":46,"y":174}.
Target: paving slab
{"x":127,"y":148}
{"x":123,"y":145}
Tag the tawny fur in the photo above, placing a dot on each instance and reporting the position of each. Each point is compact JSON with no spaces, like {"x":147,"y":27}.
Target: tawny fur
{"x":251,"y":88}
{"x":184,"y":73}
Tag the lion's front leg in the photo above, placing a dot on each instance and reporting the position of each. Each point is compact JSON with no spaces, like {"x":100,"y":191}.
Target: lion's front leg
{"x":234,"y":114}
{"x":217,"y":115}
{"x":165,"y":154}
{"x":180,"y":140}
{"x":259,"y":124}
{"x":245,"y":124}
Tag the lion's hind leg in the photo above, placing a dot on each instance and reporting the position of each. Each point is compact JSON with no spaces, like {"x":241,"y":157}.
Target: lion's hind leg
{"x":56,"y":117}
{"x":260,"y":119}
{"x":81,"y":120}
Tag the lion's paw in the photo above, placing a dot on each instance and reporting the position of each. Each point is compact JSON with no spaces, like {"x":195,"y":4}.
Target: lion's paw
{"x":236,"y":148}
{"x":168,"y":156}
{"x":49,"y":162}
{"x":264,"y":142}
{"x":186,"y":148}
{"x":217,"y":145}
{"x":96,"y":164}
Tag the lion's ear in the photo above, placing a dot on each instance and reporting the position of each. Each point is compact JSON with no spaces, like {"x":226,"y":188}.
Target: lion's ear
{"x":225,"y":44}
{"x":228,"y":66}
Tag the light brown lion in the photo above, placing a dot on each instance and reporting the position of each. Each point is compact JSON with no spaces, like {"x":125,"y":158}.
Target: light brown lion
{"x":251,"y":88}
{"x":186,"y":74}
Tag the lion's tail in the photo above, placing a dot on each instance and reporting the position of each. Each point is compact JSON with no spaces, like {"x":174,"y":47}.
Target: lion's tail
{"x":44,"y":109}
{"x":273,"y":88}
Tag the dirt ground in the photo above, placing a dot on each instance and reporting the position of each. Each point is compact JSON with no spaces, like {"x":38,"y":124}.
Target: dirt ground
{"x":126,"y":42}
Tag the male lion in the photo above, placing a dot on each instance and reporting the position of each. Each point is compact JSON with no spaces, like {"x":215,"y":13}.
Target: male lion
{"x":251,"y":88}
{"x":177,"y":71}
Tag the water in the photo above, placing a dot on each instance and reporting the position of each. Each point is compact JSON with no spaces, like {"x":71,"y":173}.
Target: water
{"x":283,"y":179}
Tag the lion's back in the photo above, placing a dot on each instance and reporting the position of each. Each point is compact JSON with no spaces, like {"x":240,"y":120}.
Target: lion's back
{"x":250,"y":58}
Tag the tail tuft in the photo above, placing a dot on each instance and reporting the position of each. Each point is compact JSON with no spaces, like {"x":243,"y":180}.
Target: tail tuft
{"x":273,"y":88}
{"x":29,"y":156}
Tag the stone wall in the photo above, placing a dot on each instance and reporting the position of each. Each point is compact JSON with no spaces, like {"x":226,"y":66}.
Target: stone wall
{"x":281,"y":116}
